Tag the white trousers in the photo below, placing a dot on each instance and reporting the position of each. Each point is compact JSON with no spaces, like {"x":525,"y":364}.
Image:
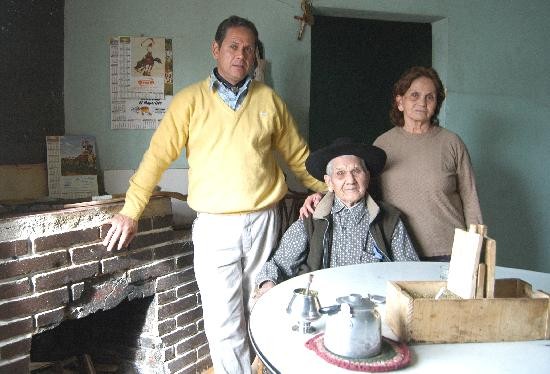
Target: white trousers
{"x":229,"y":250}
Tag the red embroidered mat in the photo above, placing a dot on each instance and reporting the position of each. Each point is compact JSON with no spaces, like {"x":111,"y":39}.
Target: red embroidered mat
{"x":393,"y":356}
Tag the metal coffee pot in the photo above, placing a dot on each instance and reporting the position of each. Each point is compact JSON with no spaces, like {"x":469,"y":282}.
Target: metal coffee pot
{"x":353,"y":327}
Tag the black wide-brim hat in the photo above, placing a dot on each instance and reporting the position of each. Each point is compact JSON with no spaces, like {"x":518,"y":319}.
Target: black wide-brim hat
{"x":374,"y":157}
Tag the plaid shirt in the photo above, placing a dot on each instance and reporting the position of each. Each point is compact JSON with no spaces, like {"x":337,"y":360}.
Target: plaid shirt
{"x":234,"y":100}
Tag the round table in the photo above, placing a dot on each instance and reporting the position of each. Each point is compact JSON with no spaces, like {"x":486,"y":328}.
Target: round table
{"x":283,"y":350}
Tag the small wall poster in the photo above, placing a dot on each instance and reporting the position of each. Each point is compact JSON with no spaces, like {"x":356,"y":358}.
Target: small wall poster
{"x":72,"y":166}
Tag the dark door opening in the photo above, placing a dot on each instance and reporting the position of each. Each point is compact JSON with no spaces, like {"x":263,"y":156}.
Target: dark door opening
{"x":354,"y":63}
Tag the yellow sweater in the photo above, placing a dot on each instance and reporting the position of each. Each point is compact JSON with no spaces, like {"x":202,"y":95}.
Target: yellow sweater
{"x":232,"y":166}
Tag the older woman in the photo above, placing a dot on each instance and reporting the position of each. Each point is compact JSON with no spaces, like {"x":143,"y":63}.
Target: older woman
{"x":428,"y":173}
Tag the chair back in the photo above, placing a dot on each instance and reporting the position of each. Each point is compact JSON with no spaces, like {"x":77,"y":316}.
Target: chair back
{"x":289,"y":209}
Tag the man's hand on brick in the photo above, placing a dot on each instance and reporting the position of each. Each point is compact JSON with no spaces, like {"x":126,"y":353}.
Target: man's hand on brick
{"x":123,"y":229}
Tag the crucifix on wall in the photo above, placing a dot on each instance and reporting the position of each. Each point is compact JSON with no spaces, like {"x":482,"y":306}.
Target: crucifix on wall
{"x":306,"y":18}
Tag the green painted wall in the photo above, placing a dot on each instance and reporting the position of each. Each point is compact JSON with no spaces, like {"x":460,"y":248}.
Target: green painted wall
{"x":492,"y":56}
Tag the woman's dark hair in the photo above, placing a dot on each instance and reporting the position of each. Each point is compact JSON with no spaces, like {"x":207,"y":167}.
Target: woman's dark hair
{"x":234,"y":21}
{"x":404,"y":83}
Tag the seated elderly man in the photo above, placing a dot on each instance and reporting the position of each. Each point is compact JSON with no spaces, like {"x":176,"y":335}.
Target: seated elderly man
{"x":347,"y":226}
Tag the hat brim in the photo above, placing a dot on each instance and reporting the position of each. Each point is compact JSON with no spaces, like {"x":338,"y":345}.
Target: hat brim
{"x":374,"y":157}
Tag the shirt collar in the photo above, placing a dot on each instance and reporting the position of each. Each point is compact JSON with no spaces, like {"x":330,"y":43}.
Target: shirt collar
{"x":357,"y":211}
{"x":216,"y":84}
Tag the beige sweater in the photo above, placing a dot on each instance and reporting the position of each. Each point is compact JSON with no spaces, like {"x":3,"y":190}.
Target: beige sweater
{"x":429,"y":177}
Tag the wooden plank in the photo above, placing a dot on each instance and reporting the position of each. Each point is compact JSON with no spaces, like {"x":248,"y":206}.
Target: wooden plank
{"x":23,"y":183}
{"x":480,"y":287}
{"x":87,"y":364}
{"x":398,"y":316}
{"x":547,"y":334}
{"x":39,"y":365}
{"x":464,"y":263}
{"x":490,"y":261}
{"x":481,"y":229}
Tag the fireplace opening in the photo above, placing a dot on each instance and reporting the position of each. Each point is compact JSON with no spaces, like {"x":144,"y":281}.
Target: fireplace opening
{"x":120,"y":340}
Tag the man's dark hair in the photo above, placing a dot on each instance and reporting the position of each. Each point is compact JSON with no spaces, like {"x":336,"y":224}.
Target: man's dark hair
{"x":234,"y":21}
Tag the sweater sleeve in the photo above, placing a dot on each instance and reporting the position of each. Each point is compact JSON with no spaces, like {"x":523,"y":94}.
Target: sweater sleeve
{"x":294,"y":150}
{"x":467,"y":188}
{"x":166,"y":145}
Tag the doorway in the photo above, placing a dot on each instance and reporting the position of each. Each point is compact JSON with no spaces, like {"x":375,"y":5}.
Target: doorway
{"x":354,"y":64}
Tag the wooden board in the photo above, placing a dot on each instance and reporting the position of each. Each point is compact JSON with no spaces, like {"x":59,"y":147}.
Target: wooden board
{"x":20,"y":183}
{"x":490,"y":260}
{"x":481,"y":275}
{"x":517,"y":313}
{"x":463,"y":267}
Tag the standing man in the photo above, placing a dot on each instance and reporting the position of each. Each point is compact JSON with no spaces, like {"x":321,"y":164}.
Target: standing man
{"x":229,"y":126}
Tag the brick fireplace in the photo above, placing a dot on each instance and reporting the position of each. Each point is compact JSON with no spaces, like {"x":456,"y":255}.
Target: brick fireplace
{"x":54,"y":270}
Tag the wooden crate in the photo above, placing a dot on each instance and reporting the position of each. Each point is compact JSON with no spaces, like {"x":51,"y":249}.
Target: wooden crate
{"x":516,"y":313}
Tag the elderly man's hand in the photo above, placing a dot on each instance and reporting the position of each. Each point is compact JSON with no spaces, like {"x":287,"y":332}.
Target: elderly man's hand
{"x":264,"y":287}
{"x":309,"y":204}
{"x":122,"y":231}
